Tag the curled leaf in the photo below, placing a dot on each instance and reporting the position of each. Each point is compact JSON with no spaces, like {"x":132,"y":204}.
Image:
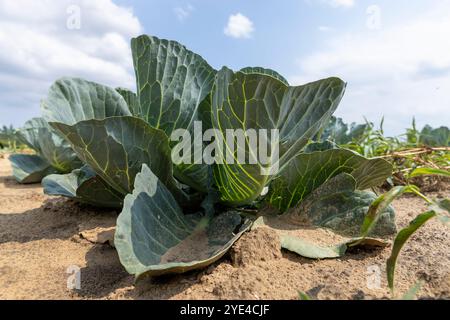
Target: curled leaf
{"x":83,"y":185}
{"x":328,"y":221}
{"x":154,"y":237}
{"x":314,"y":242}
{"x":71,"y":100}
{"x":38,"y":135}
{"x":29,"y":168}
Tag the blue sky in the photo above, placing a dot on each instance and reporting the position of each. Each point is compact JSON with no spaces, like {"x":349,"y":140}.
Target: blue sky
{"x":284,"y":30}
{"x":393,"y":54}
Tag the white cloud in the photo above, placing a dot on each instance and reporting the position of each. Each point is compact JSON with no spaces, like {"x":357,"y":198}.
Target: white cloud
{"x":182,"y":13}
{"x":324,"y":28}
{"x":399,"y":71}
{"x":239,"y":26}
{"x":341,"y":3}
{"x":37,"y":47}
{"x":335,"y":3}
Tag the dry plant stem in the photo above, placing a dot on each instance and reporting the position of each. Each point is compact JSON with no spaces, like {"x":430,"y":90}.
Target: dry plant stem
{"x":416,"y":151}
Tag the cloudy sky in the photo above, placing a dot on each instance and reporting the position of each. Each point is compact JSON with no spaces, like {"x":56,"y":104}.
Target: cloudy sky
{"x":395,"y":55}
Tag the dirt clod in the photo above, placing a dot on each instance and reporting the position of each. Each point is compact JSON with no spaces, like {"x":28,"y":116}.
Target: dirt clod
{"x":261,"y":244}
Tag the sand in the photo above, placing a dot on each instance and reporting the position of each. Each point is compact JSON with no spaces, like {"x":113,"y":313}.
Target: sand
{"x":42,"y":238}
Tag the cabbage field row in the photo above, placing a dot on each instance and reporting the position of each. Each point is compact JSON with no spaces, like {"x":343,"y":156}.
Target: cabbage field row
{"x":114,"y":148}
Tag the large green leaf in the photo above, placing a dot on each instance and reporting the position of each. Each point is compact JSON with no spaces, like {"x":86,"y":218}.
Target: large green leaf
{"x":172,"y":82}
{"x":83,"y":185}
{"x":263,"y":71}
{"x":29,"y":168}
{"x":29,"y":133}
{"x":308,"y":171}
{"x":38,"y":135}
{"x":132,"y":101}
{"x":245,"y":101}
{"x":338,"y":205}
{"x":115,"y":148}
{"x":329,"y":220}
{"x":71,"y":100}
{"x":154,"y":237}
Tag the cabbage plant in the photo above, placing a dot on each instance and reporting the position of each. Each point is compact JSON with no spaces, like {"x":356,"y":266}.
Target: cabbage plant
{"x":52,"y":153}
{"x":179,"y":216}
{"x":69,"y":101}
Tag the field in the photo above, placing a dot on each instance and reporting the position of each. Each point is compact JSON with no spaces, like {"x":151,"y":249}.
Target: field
{"x":218,"y":184}
{"x":41,"y":236}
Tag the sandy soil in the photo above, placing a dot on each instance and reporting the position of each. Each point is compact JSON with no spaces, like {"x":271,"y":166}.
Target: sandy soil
{"x":41,"y":237}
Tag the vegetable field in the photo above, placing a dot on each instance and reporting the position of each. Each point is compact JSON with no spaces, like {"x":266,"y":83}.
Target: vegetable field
{"x":147,"y":196}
